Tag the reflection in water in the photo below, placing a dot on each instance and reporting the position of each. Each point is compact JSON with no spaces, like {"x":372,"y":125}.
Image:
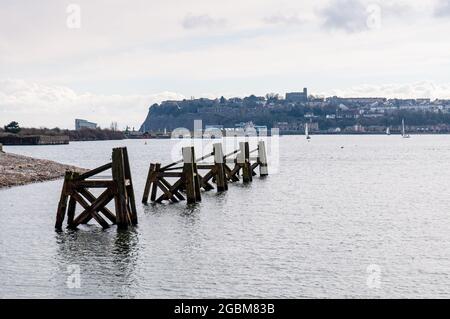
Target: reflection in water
{"x":98,"y":252}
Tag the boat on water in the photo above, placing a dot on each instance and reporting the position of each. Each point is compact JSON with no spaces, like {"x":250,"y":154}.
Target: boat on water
{"x":404,"y":135}
{"x":388,"y":131}
{"x":307,"y":132}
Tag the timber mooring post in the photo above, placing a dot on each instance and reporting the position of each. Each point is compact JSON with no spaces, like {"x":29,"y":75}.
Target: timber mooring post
{"x":191,"y":179}
{"x":220,"y":175}
{"x":148,"y":183}
{"x":129,"y":188}
{"x":262,"y":159}
{"x":62,"y":205}
{"x":121,"y":198}
{"x":244,"y":157}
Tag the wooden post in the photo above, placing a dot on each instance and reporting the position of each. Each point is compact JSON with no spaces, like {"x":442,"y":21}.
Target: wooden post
{"x":197,"y":178}
{"x":120,"y":198}
{"x":148,"y":183}
{"x":246,"y":169}
{"x":129,"y":188}
{"x":156,"y":169}
{"x":262,"y":159}
{"x":221,"y":180}
{"x":62,"y":206}
{"x":189,"y":175}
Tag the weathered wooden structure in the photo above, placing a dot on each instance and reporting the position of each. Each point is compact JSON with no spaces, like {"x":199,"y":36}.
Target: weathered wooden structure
{"x":14,"y":139}
{"x":76,"y":190}
{"x":189,"y":181}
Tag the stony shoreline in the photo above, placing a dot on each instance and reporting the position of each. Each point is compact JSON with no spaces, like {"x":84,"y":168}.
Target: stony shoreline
{"x":16,"y":170}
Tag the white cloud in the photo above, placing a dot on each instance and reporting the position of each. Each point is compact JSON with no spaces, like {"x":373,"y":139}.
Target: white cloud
{"x":442,"y":8}
{"x":284,"y":19}
{"x":191,"y":21}
{"x":424,"y":89}
{"x":347,"y":15}
{"x":35,"y":105}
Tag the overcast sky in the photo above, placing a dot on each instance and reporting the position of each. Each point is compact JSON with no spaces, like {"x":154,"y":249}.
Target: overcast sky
{"x":126,"y":55}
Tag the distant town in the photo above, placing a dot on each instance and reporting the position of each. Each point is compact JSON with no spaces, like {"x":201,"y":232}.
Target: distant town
{"x":290,"y":113}
{"x":293,"y":113}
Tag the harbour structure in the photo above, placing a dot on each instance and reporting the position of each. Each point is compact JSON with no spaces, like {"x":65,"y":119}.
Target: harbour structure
{"x":189,"y":180}
{"x":15,"y":139}
{"x":77,"y":190}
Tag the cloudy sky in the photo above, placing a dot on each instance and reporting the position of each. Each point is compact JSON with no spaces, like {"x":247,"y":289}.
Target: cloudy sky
{"x":110,"y":60}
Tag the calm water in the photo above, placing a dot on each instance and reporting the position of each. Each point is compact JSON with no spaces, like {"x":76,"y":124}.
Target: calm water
{"x":337,"y":205}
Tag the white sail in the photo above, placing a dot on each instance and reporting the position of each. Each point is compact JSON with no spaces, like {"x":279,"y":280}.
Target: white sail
{"x":307,"y":131}
{"x":388,"y":131}
{"x":404,"y":135}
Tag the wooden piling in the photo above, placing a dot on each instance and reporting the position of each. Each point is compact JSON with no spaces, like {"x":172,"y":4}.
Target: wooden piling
{"x":247,"y":175}
{"x":262,"y":159}
{"x":191,"y":182}
{"x":129,"y":188}
{"x":62,"y":206}
{"x":118,"y":174}
{"x":220,"y":174}
{"x":148,"y":183}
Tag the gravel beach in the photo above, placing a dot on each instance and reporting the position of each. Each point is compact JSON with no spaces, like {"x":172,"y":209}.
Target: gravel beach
{"x":18,"y":170}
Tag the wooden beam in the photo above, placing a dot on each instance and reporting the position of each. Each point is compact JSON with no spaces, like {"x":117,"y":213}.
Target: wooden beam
{"x":92,"y":209}
{"x":91,"y":198}
{"x":94,"y":171}
{"x":94,"y":184}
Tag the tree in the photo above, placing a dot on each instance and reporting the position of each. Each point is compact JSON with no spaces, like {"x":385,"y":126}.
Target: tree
{"x":272,"y":97}
{"x":114,"y":126}
{"x":12,"y":127}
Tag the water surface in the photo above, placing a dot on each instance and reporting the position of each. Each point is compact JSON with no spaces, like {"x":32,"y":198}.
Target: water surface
{"x":337,"y":205}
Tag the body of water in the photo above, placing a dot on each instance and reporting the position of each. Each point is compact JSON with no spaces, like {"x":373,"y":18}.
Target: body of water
{"x":340,"y":216}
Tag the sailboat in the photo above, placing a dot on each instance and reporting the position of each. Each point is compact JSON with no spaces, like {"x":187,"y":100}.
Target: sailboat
{"x":388,"y":131}
{"x":404,"y":135}
{"x":307,"y":132}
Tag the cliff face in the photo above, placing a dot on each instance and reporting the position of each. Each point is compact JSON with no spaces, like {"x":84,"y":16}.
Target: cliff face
{"x":170,"y":122}
{"x":172,"y":115}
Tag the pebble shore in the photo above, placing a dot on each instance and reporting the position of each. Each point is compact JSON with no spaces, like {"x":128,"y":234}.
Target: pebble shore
{"x":18,"y":170}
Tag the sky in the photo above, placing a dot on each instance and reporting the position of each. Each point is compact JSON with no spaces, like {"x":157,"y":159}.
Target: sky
{"x":108,"y":61}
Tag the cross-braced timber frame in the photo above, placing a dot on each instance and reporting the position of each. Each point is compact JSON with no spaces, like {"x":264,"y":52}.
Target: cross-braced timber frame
{"x":190,"y":181}
{"x":77,"y":190}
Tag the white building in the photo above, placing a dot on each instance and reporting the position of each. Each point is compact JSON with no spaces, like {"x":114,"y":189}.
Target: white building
{"x":80,"y":124}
